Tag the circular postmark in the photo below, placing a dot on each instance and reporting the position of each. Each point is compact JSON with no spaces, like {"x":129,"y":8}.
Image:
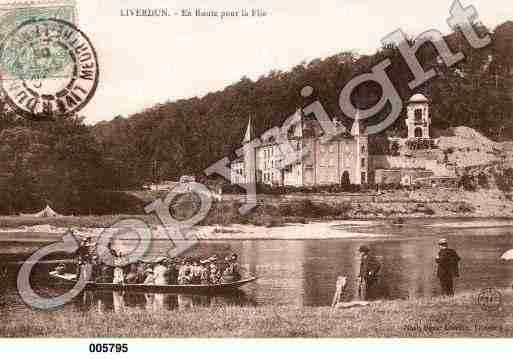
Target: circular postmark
{"x":490,"y":299}
{"x":49,"y":69}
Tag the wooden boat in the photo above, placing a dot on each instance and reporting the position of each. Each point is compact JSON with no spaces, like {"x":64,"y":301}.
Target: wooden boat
{"x":70,"y":279}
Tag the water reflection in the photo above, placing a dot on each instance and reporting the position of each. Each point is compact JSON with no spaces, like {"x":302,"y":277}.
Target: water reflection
{"x":304,"y":272}
{"x":118,"y":301}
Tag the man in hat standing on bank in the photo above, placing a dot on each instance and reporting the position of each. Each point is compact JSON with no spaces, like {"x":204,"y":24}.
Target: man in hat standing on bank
{"x":447,"y":260}
{"x":369,"y":274}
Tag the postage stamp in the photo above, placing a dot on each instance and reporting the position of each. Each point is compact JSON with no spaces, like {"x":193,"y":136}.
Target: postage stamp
{"x":49,"y":68}
{"x":13,"y":14}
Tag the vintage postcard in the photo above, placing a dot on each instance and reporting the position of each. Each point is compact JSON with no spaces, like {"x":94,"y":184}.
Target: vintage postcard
{"x":255,"y":169}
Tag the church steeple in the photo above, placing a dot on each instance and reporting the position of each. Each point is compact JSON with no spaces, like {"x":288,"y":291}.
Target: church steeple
{"x":248,"y":136}
{"x":249,"y":154}
{"x":356,"y":128}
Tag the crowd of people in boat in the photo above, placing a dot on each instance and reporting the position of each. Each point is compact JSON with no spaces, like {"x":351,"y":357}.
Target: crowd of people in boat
{"x":161,"y":271}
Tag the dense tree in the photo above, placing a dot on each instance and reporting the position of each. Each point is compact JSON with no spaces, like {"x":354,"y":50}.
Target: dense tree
{"x":70,"y":165}
{"x":57,"y":162}
{"x":187,"y":136}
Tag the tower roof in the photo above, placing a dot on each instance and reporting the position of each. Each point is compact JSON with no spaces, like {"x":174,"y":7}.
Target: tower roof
{"x":248,"y":136}
{"x":418,"y":97}
{"x":356,"y":129}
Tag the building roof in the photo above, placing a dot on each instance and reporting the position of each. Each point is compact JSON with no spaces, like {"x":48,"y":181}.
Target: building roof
{"x":249,"y":134}
{"x":418,"y":97}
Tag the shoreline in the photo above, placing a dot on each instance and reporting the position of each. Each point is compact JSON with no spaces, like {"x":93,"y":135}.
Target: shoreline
{"x":458,"y":316}
{"x":317,"y":229}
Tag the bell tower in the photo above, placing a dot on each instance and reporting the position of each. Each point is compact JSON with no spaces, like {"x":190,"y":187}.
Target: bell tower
{"x":418,"y":120}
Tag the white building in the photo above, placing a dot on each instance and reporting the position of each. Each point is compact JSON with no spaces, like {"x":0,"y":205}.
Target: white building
{"x":346,"y":156}
{"x":418,"y":120}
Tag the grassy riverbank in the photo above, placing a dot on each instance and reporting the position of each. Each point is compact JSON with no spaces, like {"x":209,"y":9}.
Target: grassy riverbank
{"x":276,"y":210}
{"x":72,"y":221}
{"x":460,"y":316}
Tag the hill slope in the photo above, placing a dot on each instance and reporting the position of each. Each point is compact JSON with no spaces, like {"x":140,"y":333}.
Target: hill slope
{"x":187,"y":136}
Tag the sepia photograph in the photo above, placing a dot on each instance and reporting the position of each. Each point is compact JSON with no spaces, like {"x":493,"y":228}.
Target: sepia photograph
{"x":255,"y":169}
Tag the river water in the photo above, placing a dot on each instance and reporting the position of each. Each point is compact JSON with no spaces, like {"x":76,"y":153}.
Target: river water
{"x":304,"y":272}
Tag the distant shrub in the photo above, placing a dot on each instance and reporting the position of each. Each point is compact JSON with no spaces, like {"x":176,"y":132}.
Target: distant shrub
{"x":332,"y":188}
{"x":467,"y":183}
{"x":422,"y":208}
{"x":465,"y":207}
{"x":309,"y":209}
{"x":229,"y":188}
{"x":420,"y":144}
{"x":504,"y":180}
{"x":482,"y":180}
{"x":443,"y":132}
{"x":394,"y":149}
{"x":391,"y":186}
{"x":274,"y":222}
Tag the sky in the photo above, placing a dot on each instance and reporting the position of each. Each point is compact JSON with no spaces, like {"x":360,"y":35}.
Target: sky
{"x":150,"y":60}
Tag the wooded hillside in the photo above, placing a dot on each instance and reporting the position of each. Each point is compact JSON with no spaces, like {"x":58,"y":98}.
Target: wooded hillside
{"x":77,"y":168}
{"x":187,"y":136}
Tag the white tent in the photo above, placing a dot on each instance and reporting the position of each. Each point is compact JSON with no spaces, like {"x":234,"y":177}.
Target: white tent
{"x":46,"y":212}
{"x":508,"y":255}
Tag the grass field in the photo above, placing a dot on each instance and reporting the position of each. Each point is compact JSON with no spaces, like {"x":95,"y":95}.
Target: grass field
{"x":460,"y":316}
{"x":71,"y":221}
{"x":224,"y":213}
{"x":275,"y":210}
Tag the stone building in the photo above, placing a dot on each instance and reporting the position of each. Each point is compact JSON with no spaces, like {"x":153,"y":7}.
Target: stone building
{"x":417,"y":163}
{"x":418,"y":120}
{"x":345,"y":156}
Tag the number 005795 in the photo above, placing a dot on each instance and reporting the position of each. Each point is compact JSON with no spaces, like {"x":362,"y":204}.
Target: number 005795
{"x":108,"y":348}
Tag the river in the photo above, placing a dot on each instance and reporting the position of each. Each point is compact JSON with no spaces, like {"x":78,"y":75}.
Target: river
{"x":304,"y":272}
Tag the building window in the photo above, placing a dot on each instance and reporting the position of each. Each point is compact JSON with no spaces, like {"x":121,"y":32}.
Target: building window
{"x":363,"y":148}
{"x":418,"y":115}
{"x":363,"y":162}
{"x":364,"y":177}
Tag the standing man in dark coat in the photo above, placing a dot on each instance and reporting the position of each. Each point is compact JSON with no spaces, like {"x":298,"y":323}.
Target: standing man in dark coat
{"x":447,"y":260}
{"x":369,"y":274}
